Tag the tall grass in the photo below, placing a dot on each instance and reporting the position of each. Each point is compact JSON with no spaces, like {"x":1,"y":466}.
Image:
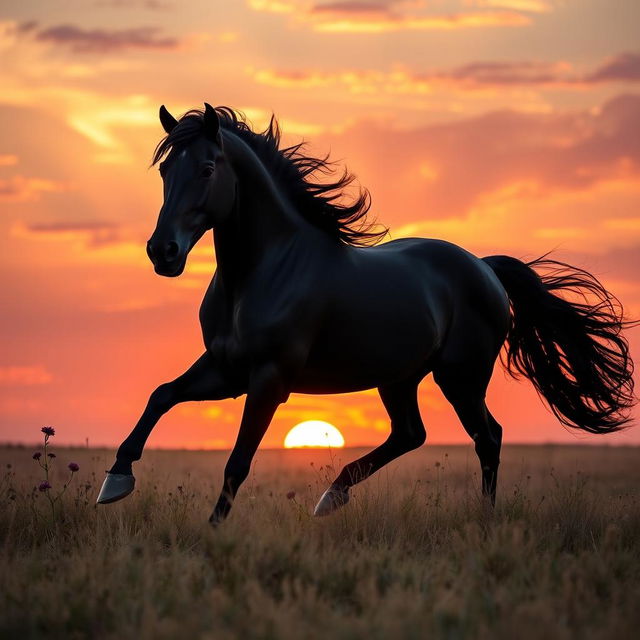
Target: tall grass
{"x":415,"y":554}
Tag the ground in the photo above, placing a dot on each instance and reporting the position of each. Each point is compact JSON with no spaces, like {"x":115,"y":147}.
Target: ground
{"x":414,"y":555}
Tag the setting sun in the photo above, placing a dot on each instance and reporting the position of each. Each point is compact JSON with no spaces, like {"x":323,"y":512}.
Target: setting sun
{"x":313,"y":433}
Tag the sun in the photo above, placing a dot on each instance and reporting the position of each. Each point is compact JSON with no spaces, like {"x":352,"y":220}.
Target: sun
{"x":313,"y":433}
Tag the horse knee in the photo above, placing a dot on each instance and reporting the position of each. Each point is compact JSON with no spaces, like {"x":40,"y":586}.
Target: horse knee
{"x":163,"y":398}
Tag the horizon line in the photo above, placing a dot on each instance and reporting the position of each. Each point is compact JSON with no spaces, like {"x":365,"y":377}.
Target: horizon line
{"x":548,"y":443}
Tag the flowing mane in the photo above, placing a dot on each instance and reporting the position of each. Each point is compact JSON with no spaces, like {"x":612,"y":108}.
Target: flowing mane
{"x":317,"y":201}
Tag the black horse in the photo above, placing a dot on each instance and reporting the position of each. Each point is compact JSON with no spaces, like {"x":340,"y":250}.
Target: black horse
{"x":300,"y":304}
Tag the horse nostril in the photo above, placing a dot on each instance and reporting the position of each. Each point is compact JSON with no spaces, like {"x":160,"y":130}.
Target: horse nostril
{"x":150,"y":252}
{"x":171,"y":250}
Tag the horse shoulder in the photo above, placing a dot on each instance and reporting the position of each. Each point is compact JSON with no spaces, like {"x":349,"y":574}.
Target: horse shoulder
{"x":277,"y":320}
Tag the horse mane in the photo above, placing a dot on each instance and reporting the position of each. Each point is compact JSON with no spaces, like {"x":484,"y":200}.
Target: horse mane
{"x":323,"y":203}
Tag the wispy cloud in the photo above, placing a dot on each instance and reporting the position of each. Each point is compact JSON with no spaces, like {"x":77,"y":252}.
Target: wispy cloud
{"x":23,"y":189}
{"x":624,"y":67}
{"x":24,"y":376}
{"x":361,"y":8}
{"x":97,"y":40}
{"x":154,"y":5}
{"x":90,"y":233}
{"x":274,"y":6}
{"x":389,"y":23}
{"x":531,"y":6}
{"x":89,"y":242}
{"x":386,"y":16}
{"x":103,"y":40}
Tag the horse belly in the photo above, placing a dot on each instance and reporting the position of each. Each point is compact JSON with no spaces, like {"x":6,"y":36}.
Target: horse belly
{"x":365,"y":346}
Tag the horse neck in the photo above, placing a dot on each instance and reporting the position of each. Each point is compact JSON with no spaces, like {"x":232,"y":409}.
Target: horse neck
{"x":262,"y":217}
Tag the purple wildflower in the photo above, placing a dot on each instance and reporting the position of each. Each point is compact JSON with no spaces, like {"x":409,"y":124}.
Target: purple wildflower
{"x":37,"y":455}
{"x":73,"y":467}
{"x":291,"y":495}
{"x":44,"y":486}
{"x":48,"y":431}
{"x":51,"y":455}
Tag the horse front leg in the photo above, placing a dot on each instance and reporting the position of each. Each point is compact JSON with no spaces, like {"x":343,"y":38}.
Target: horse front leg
{"x":268,"y":388}
{"x":202,"y":381}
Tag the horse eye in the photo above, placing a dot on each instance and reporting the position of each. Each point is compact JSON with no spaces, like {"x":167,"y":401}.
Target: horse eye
{"x":206,"y":172}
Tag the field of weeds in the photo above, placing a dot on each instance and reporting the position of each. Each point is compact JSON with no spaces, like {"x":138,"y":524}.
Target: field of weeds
{"x":414,"y":555}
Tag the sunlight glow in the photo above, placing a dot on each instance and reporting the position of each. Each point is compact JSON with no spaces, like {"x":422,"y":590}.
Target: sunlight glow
{"x":313,"y":433}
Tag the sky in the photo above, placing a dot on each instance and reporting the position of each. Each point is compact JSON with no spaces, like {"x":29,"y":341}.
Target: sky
{"x":506,"y":126}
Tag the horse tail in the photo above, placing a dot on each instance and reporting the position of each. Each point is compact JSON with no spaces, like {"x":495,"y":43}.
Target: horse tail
{"x":571,"y":349}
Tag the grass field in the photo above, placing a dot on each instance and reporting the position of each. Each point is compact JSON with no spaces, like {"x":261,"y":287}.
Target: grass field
{"x":414,"y":555}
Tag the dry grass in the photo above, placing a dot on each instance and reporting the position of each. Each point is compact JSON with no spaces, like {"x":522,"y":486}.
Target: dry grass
{"x":414,"y":555}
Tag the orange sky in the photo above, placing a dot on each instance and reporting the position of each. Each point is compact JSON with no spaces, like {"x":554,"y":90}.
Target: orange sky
{"x":507,"y":126}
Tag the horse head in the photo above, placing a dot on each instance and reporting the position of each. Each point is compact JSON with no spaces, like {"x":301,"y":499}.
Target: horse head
{"x":199,"y":187}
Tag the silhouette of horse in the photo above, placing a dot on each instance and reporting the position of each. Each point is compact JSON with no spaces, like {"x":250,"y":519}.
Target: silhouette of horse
{"x":300,"y":304}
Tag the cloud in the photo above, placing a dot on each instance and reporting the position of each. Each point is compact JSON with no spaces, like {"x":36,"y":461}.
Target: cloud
{"x":352,"y":8}
{"x":388,"y":22}
{"x":23,"y":189}
{"x":24,"y":376}
{"x":103,"y":40}
{"x":154,"y":5}
{"x":358,"y":81}
{"x":274,"y":6}
{"x":530,"y":6}
{"x":103,"y":120}
{"x":624,"y":67}
{"x":92,"y":242}
{"x":28,"y":26}
{"x":525,"y":180}
{"x":91,"y":233}
{"x":385,"y":16}
{"x":505,"y":73}
{"x":98,"y":40}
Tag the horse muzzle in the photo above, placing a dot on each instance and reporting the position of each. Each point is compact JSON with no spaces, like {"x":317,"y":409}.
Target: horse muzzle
{"x":167,"y":258}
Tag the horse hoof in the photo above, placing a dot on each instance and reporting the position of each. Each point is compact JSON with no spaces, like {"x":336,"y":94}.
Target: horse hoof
{"x":115,"y":487}
{"x":331,"y":500}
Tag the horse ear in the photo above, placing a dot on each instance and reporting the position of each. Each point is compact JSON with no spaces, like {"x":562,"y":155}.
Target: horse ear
{"x":167,"y":120}
{"x":211,"y":123}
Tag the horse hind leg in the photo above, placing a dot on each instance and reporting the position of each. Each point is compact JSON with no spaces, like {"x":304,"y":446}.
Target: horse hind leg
{"x":407,"y":433}
{"x":467,"y":395}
